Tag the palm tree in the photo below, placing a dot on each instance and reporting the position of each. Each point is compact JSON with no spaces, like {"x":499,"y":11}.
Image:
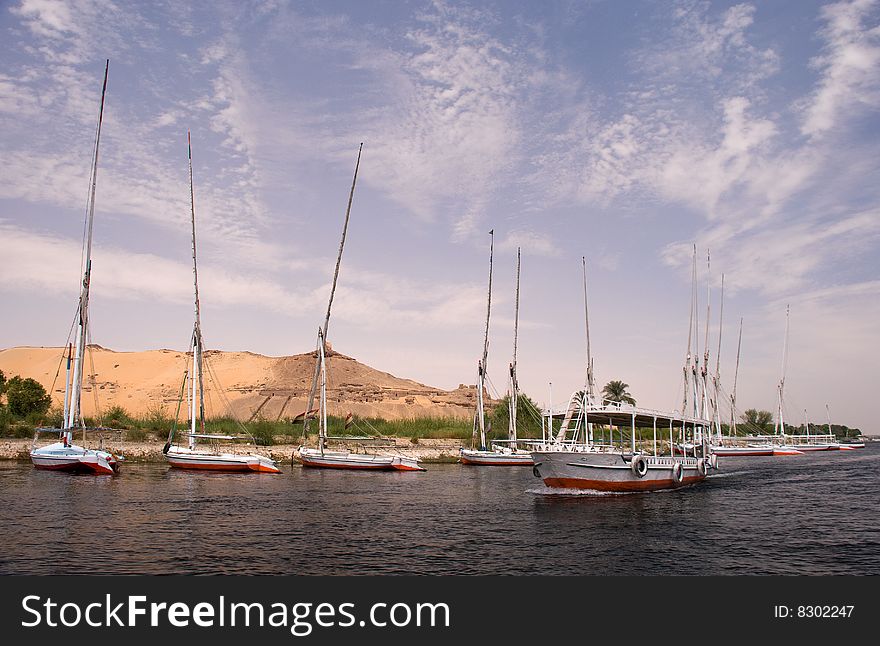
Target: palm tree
{"x":616,"y":391}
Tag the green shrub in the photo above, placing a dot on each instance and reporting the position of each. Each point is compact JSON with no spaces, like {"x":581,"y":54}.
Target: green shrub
{"x":135,"y":435}
{"x":26,"y":396}
{"x":117,"y":417}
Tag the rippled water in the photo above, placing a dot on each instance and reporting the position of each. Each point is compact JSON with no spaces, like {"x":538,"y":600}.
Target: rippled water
{"x":810,"y":514}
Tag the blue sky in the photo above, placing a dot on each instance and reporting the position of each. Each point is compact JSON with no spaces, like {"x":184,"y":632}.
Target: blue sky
{"x":620,"y":131}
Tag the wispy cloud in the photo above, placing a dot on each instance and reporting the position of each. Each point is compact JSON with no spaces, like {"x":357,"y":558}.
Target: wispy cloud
{"x":849,"y":65}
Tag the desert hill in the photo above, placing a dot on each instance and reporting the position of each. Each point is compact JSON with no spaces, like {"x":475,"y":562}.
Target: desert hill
{"x":246,"y":385}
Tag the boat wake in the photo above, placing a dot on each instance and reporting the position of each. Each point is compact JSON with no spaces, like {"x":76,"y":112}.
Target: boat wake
{"x":560,"y":491}
{"x":726,"y":474}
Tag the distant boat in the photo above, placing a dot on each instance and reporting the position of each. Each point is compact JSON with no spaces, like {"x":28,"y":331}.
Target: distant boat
{"x":321,"y":457}
{"x":65,"y":455}
{"x":499,"y":452}
{"x":211,"y":457}
{"x":805,"y":442}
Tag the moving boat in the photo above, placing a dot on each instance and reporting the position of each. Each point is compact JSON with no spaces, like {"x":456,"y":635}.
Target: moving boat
{"x":211,"y":457}
{"x":320,"y":457}
{"x":601,"y":462}
{"x":500,"y":452}
{"x":65,"y":455}
{"x":611,"y":465}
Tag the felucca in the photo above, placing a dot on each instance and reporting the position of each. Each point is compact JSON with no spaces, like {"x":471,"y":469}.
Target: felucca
{"x":65,"y":455}
{"x":210,"y":457}
{"x":500,"y":452}
{"x":321,"y":457}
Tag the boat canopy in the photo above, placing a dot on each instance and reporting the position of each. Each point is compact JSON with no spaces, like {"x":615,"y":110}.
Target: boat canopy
{"x":624,"y":415}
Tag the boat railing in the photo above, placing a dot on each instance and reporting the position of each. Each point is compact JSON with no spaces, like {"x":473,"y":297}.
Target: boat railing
{"x":100,"y":431}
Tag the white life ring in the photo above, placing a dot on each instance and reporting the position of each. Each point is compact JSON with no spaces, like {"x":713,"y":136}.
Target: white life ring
{"x":639,"y":466}
{"x":677,"y":473}
{"x":701,"y":466}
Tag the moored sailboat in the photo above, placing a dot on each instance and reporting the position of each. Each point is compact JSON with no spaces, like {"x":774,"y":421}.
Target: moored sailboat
{"x":321,"y":457}
{"x":65,"y":455}
{"x":205,"y":458}
{"x":789,"y":441}
{"x":500,"y":452}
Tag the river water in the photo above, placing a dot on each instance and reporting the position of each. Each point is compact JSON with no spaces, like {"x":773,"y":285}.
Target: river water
{"x":812,"y":514}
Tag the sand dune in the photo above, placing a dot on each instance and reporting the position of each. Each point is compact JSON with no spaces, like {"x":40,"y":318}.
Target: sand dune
{"x":244,"y":384}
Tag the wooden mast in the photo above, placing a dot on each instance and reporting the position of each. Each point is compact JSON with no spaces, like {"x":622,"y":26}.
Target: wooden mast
{"x":322,"y":338}
{"x":512,"y":402}
{"x":481,"y":366}
{"x":780,"y":415}
{"x":73,"y":415}
{"x":735,"y":375}
{"x":716,"y":380}
{"x":197,"y":423}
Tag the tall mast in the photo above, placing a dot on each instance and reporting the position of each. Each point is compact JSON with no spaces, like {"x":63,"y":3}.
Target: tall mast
{"x":716,"y":380}
{"x":828,"y":417}
{"x":74,"y":413}
{"x":591,"y":383}
{"x":322,"y":408}
{"x":780,"y":417}
{"x":323,"y":336}
{"x":735,"y":375}
{"x":198,"y":348}
{"x":689,"y":356}
{"x":481,"y":366}
{"x":705,"y":369}
{"x":512,"y":401}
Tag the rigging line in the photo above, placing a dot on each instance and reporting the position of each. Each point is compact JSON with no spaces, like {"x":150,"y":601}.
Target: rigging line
{"x":99,"y":416}
{"x":736,"y":368}
{"x":218,"y":387}
{"x":173,"y":430}
{"x":61,"y":362}
{"x":494,"y":388}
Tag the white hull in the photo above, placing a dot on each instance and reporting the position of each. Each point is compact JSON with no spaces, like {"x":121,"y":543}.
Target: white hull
{"x":496,"y":457}
{"x":614,"y":473}
{"x":363,"y":461}
{"x":811,"y":447}
{"x":58,"y":457}
{"x":183,"y":458}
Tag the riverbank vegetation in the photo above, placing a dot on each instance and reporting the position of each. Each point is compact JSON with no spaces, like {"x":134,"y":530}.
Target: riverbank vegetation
{"x":25,"y":405}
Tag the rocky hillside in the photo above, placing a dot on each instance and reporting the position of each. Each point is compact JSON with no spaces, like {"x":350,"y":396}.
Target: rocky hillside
{"x":243,"y":384}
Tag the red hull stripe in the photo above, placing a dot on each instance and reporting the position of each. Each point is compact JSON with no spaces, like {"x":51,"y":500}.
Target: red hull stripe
{"x":495,"y":463}
{"x":626,"y":485}
{"x":321,"y":465}
{"x":76,"y":467}
{"x":222,"y":467}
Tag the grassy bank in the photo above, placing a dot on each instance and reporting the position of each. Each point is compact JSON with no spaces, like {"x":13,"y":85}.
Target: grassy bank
{"x":156,"y":426}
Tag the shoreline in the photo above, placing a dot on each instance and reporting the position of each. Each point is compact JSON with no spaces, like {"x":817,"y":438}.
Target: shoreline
{"x":428,"y":450}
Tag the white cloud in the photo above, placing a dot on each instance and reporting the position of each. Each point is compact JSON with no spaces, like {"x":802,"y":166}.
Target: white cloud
{"x":849,"y":66}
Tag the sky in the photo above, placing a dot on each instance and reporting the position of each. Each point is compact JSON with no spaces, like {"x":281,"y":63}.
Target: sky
{"x":622,"y":132}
